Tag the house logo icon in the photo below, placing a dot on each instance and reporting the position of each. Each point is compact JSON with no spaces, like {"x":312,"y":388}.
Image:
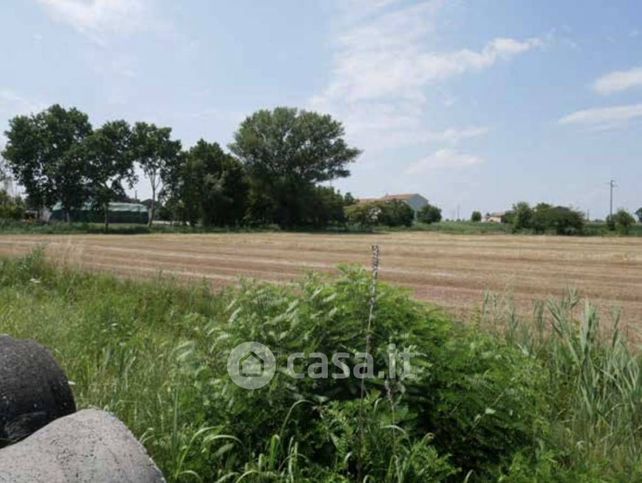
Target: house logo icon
{"x":251,"y":365}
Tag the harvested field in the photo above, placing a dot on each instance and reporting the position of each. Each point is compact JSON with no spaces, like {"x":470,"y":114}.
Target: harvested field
{"x":450,"y":270}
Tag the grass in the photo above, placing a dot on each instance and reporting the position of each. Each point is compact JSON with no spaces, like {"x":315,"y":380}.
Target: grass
{"x":552,"y":397}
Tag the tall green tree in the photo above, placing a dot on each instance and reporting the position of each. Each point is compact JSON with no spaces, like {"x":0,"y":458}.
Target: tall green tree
{"x":286,"y":153}
{"x":108,"y":155}
{"x":153,"y":149}
{"x":38,"y":154}
{"x":214,"y":186}
{"x":638,"y":213}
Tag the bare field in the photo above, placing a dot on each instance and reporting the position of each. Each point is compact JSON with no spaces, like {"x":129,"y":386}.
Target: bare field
{"x":450,"y":270}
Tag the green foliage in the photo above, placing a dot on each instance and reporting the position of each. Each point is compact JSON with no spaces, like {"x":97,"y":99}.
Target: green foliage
{"x":11,"y":207}
{"x":476,"y":216}
{"x":364,"y":215}
{"x":286,"y":153}
{"x":155,"y":354}
{"x":391,"y":213}
{"x":545,"y":218}
{"x":396,"y":213}
{"x":594,"y":387}
{"x":638,"y":213}
{"x":207,"y":186}
{"x":40,"y":153}
{"x":155,"y":152}
{"x":522,"y":216}
{"x":108,"y":155}
{"x":429,"y":214}
{"x":622,"y":221}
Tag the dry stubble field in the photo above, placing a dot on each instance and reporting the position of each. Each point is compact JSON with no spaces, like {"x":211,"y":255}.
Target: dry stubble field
{"x":450,"y":270}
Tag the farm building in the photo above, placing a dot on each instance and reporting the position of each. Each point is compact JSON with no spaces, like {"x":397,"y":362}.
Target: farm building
{"x":118,"y":213}
{"x":414,"y":200}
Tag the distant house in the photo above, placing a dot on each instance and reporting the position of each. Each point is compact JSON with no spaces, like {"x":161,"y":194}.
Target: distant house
{"x":494,"y":217}
{"x":414,"y":200}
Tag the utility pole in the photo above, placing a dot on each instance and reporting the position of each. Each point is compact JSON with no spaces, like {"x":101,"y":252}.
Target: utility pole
{"x":611,"y":186}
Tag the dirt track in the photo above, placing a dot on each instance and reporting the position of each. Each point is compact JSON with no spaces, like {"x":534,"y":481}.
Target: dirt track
{"x":451,"y":270}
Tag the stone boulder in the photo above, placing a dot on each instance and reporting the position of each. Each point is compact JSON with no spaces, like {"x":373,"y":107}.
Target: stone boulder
{"x":88,"y":446}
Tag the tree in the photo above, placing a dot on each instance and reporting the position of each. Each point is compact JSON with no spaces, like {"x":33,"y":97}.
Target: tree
{"x":429,"y":214}
{"x":11,"y":207}
{"x":638,"y":213}
{"x":396,"y":213}
{"x":205,"y":185}
{"x":364,"y":215}
{"x":476,"y":217}
{"x":287,"y":152}
{"x":622,"y":221}
{"x":39,"y":150}
{"x":153,"y":149}
{"x":522,"y":216}
{"x":108,"y":155}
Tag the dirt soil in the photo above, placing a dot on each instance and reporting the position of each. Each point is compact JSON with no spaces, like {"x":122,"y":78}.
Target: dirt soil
{"x":452,"y":271}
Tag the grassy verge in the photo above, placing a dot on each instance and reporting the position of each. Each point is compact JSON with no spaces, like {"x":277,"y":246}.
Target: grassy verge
{"x":547,"y":399}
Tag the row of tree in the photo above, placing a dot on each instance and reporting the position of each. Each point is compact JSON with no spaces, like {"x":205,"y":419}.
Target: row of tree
{"x":546,"y":218}
{"x":274,"y":173}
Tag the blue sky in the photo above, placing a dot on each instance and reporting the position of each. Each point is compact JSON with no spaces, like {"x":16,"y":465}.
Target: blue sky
{"x":471,"y":103}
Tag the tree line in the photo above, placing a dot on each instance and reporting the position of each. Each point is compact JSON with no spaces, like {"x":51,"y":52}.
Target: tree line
{"x":273,"y":173}
{"x":546,"y":218}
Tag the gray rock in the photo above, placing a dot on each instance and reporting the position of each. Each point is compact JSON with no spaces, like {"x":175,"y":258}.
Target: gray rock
{"x":33,"y":389}
{"x":88,"y":446}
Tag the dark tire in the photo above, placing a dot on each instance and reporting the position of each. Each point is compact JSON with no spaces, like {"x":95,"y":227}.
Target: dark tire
{"x":33,"y":389}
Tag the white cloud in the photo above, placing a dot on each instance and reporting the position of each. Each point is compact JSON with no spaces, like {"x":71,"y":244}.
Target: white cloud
{"x":383,"y":64}
{"x":604,"y":117}
{"x":13,"y":104}
{"x":618,"y":81}
{"x":444,"y":158}
{"x":96,"y":17}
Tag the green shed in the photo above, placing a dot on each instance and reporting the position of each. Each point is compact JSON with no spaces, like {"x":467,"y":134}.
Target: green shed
{"x":118,"y":213}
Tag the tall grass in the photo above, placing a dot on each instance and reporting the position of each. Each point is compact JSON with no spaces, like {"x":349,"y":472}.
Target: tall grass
{"x":553,"y":397}
{"x":594,"y":381}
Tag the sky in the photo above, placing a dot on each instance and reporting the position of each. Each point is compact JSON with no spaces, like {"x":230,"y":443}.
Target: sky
{"x":473,"y":104}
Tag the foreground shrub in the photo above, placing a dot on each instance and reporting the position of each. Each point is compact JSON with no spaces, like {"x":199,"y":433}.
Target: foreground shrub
{"x":521,"y":404}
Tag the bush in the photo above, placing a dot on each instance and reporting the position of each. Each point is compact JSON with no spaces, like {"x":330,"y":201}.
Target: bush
{"x":155,"y":354}
{"x":429,"y":214}
{"x":364,"y":215}
{"x":622,"y":221}
{"x":545,"y":218}
{"x":11,"y":208}
{"x":476,"y":217}
{"x":389,"y":213}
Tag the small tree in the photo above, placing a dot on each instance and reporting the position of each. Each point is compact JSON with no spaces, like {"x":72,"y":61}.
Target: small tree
{"x":622,"y":221}
{"x":638,"y":213}
{"x":522,"y":216}
{"x":429,"y":214}
{"x":11,"y":207}
{"x":396,"y":213}
{"x":476,"y":217}
{"x":364,"y":215}
{"x":153,"y":149}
